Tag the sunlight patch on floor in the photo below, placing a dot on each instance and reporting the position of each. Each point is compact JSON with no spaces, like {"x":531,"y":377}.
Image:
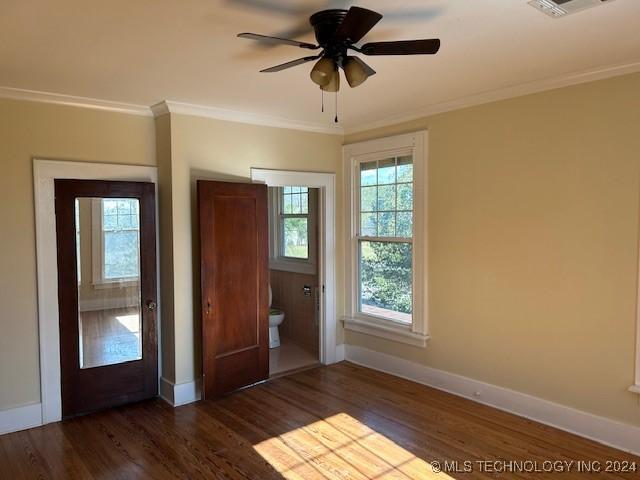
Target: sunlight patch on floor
{"x":130,"y":322}
{"x":342,"y":447}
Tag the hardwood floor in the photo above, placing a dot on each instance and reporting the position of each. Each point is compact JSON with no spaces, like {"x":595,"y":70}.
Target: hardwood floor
{"x":336,"y":422}
{"x":110,"y":336}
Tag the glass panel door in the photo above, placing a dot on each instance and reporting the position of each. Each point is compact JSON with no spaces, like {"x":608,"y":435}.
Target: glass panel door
{"x":109,"y":300}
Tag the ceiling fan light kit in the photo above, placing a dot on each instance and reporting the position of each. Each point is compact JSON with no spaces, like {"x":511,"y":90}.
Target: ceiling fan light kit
{"x":337,"y":32}
{"x":354,"y":72}
{"x":323,"y":71}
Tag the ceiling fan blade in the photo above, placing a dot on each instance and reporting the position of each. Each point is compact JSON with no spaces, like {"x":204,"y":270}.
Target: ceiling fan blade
{"x":403,"y":47}
{"x":356,"y":24}
{"x":277,"y":40}
{"x":290,"y":64}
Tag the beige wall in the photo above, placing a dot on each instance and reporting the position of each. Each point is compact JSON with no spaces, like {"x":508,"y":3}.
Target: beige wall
{"x":533,"y":233}
{"x":533,"y":245}
{"x":35,"y":130}
{"x":212,"y":149}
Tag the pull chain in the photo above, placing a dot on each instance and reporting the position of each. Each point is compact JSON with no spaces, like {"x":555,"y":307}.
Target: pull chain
{"x":322,"y":96}
{"x":336,"y":119}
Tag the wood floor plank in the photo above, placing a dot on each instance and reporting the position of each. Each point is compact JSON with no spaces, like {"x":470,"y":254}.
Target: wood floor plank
{"x":338,"y":422}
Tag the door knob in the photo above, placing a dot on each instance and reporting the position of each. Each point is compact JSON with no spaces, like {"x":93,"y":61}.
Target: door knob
{"x":151,"y":305}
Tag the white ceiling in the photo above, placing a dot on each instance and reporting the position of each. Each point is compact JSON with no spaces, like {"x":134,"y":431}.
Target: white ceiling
{"x":145,"y":51}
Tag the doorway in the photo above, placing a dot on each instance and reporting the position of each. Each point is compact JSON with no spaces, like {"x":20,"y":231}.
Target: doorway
{"x":323,"y":185}
{"x":294,"y":286}
{"x":45,"y":172}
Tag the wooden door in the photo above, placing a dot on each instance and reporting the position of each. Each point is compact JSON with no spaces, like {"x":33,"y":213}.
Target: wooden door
{"x":234,"y":281}
{"x":106,"y":241}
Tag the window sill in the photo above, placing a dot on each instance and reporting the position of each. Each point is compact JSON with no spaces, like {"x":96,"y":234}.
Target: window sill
{"x":634,"y":388}
{"x":387,"y":330}
{"x":294,"y":266}
{"x":107,"y":284}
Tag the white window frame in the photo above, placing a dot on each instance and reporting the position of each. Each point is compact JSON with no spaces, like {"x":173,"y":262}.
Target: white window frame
{"x":277,"y":260}
{"x":414,"y":144}
{"x":97,"y":253}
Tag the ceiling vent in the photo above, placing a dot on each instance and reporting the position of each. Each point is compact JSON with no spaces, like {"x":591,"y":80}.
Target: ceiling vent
{"x":561,"y":8}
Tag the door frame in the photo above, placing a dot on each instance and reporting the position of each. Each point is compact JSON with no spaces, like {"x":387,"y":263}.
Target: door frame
{"x":326,"y":183}
{"x":44,"y":174}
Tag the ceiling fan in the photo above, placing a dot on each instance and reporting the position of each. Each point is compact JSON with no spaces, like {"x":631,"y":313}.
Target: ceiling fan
{"x":337,"y":31}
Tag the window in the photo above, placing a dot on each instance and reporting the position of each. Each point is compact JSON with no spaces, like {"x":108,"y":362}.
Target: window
{"x":116,"y":240}
{"x":294,"y":222}
{"x":385,"y":238}
{"x":292,"y":227}
{"x":385,"y":249}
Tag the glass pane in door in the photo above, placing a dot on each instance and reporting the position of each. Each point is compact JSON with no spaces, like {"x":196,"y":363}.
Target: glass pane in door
{"x":109,"y":307}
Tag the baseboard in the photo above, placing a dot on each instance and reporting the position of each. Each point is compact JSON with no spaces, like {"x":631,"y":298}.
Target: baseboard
{"x":181,"y":393}
{"x":603,"y":430}
{"x":97,"y":304}
{"x":20,"y":418}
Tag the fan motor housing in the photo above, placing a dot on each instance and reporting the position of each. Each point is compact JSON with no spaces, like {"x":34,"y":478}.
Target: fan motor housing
{"x":325,"y":24}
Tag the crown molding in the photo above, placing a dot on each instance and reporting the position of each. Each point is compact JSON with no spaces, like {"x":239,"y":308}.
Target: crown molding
{"x":168,"y":106}
{"x":74,"y":101}
{"x":513,"y":91}
{"x":180,"y":108}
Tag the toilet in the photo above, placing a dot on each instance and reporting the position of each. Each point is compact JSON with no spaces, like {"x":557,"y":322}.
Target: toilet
{"x":275,"y":318}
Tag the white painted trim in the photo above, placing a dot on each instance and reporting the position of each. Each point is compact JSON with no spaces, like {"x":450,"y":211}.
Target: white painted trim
{"x":326,"y":248}
{"x":415,"y":144}
{"x":340,"y":352}
{"x":397,"y":333}
{"x":180,"y":108}
{"x":635,"y":388}
{"x":573,"y":78}
{"x":74,"y":101}
{"x":44,"y":174}
{"x":609,"y":432}
{"x":181,"y":393}
{"x":20,"y":418}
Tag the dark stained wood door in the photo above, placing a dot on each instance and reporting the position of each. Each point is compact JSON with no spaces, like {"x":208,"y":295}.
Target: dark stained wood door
{"x":108,"y":344}
{"x":234,"y":282}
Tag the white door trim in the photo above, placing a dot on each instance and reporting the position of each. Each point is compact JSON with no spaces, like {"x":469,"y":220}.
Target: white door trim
{"x":44,"y":174}
{"x":326,"y":182}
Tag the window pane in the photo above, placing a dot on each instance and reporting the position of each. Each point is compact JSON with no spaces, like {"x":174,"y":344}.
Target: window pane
{"x":404,"y":224}
{"x":295,"y":202}
{"x":386,"y":224}
{"x":305,"y":203}
{"x":405,"y":169}
{"x":387,"y":197}
{"x":286,"y":204}
{"x":368,"y":223}
{"x":368,"y":199}
{"x":287,"y":190}
{"x":296,"y":238}
{"x":121,"y":254}
{"x":386,"y":280}
{"x":368,"y":173}
{"x":110,"y":207}
{"x":405,"y":196}
{"x":387,"y":171}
